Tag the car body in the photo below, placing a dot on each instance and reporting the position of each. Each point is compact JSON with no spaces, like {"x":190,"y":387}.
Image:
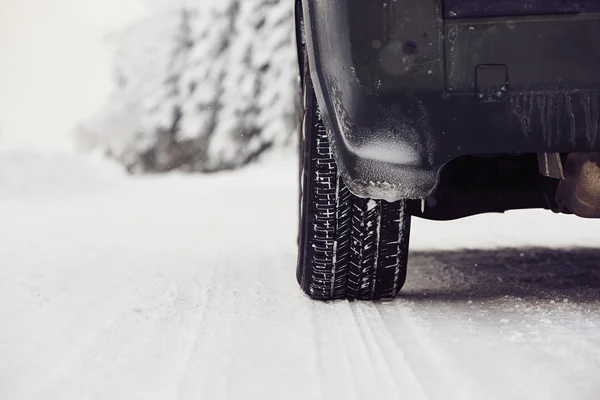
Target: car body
{"x":415,"y":92}
{"x":438,"y":109}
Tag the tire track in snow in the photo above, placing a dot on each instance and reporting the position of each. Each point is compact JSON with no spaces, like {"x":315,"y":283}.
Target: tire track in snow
{"x":335,"y":357}
{"x":402,"y":375}
{"x":356,"y":361}
{"x":200,"y":316}
{"x":194,"y":381}
{"x":318,"y":356}
{"x":134,"y":337}
{"x":422,"y":356}
{"x":435,"y":359}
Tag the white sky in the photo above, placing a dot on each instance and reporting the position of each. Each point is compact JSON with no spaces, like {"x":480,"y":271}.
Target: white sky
{"x":55,"y":65}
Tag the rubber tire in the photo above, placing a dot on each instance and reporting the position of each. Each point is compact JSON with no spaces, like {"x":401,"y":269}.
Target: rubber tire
{"x":349,"y":247}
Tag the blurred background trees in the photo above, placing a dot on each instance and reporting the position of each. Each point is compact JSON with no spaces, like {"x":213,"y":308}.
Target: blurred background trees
{"x":200,"y":86}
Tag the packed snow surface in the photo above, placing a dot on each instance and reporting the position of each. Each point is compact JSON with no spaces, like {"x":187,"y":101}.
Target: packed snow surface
{"x":183,"y":287}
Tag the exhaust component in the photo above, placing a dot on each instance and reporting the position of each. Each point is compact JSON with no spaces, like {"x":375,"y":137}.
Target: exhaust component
{"x":579,"y":192}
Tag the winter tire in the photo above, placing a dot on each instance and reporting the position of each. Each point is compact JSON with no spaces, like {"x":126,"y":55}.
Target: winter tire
{"x":349,"y":247}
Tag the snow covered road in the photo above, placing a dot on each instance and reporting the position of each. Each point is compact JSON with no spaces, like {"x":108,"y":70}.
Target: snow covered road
{"x":184,"y":288}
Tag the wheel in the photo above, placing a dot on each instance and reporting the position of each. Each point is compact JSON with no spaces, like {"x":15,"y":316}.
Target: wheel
{"x":349,"y":247}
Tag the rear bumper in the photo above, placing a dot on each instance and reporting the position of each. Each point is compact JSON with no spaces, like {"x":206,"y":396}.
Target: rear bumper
{"x":403,"y":90}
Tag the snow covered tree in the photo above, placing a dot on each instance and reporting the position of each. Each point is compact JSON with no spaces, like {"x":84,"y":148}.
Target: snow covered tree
{"x":200,"y":86}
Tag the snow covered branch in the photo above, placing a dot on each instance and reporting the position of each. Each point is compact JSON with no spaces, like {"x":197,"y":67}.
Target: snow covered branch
{"x":201,"y":86}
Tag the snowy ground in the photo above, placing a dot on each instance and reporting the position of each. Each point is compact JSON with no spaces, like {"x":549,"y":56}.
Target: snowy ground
{"x":184,"y":288}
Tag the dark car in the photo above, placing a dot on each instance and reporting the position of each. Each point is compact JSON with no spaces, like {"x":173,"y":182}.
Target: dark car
{"x":438,"y":109}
